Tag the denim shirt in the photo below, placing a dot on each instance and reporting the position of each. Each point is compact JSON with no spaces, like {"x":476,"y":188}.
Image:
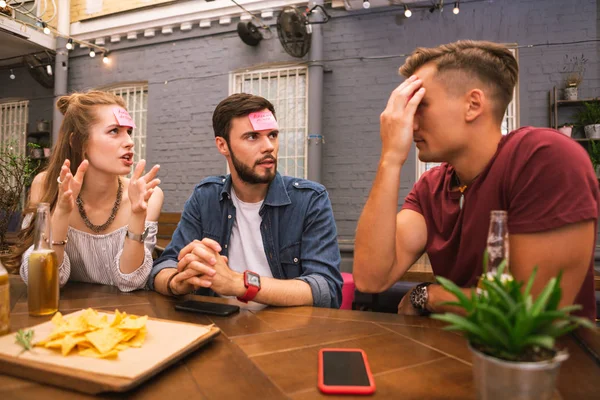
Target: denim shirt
{"x":298,"y":232}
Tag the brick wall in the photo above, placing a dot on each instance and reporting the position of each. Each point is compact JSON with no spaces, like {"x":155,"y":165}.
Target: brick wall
{"x":24,"y":87}
{"x":355,"y":91}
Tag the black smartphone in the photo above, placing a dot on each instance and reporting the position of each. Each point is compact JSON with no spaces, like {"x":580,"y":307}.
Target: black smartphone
{"x":344,"y":371}
{"x":204,"y":307}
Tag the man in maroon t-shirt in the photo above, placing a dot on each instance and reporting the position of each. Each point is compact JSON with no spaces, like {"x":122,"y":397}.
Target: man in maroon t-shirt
{"x":452,"y":106}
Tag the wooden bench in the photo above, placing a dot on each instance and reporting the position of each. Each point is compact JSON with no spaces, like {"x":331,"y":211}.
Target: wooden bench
{"x":167,"y":223}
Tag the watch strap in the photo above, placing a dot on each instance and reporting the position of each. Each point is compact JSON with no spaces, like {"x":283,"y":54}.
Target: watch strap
{"x":251,"y":290}
{"x":137,"y":237}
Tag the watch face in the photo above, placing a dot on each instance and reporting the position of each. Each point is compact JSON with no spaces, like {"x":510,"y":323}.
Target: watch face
{"x":253,"y":279}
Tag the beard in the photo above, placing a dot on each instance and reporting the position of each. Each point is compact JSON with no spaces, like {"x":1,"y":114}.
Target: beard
{"x":247,"y":174}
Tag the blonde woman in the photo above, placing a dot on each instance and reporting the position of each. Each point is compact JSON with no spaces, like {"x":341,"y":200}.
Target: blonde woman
{"x":103,"y":225}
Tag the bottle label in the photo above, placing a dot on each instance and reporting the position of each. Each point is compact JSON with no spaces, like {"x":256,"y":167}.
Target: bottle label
{"x":4,"y":309}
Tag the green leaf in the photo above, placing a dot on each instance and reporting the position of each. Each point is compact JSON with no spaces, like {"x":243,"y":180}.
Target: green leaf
{"x":461,"y":323}
{"x":542,"y":300}
{"x":530,"y":282}
{"x":495,"y":334}
{"x":499,"y":290}
{"x":455,"y":290}
{"x":500,"y":317}
{"x":501,"y":268}
{"x":538,"y":340}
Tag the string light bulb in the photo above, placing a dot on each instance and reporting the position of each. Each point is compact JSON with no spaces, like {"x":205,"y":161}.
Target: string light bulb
{"x":2,"y":3}
{"x":92,"y":53}
{"x":69,"y":45}
{"x":407,"y":12}
{"x":456,"y":10}
{"x":105,"y":59}
{"x":366,"y":4}
{"x":12,"y":75}
{"x":46,"y":29}
{"x":49,"y":69}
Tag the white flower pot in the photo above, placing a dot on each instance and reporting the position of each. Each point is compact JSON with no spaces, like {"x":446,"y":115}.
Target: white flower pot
{"x":571,"y":93}
{"x":592,"y":131}
{"x":566,"y":130}
{"x":497,"y":379}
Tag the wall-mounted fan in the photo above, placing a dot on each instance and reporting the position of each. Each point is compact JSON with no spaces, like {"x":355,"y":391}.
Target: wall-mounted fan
{"x":293,"y":33}
{"x":38,"y":69}
{"x":249,"y":33}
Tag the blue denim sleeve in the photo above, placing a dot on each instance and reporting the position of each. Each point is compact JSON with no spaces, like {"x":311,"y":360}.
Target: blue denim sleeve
{"x":188,"y":229}
{"x":321,"y":254}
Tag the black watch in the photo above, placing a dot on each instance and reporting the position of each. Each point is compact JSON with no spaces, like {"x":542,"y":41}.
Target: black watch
{"x":418,"y":298}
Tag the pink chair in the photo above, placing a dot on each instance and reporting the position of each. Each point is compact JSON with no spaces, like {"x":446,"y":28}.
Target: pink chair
{"x":347,"y":291}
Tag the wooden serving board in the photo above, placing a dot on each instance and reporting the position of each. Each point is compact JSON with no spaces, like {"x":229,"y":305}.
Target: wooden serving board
{"x":166,"y":342}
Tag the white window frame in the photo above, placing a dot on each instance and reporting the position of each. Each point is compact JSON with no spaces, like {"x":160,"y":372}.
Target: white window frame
{"x":510,"y":122}
{"x":135,"y":95}
{"x":238,"y":82}
{"x":14,"y":119}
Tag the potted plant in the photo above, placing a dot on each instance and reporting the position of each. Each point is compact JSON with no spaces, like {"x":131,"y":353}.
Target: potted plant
{"x":45,"y":145}
{"x":566,"y":129}
{"x":593,"y":150}
{"x":589,"y":118}
{"x":574,"y":69}
{"x":511,"y":335}
{"x":17,"y":170}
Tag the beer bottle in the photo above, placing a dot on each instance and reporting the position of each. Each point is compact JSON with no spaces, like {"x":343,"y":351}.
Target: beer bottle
{"x":42,"y":281}
{"x":4,"y":301}
{"x":497,"y":245}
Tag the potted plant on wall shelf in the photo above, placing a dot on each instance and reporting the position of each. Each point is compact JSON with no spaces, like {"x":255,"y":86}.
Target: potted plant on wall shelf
{"x":574,"y":69}
{"x":589,"y":118}
{"x":511,"y":336}
{"x":593,"y":150}
{"x":566,"y":129}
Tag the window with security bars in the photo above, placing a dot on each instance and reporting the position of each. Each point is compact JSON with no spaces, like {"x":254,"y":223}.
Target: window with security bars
{"x":13,"y":124}
{"x":136,"y":101}
{"x":287,"y":89}
{"x":510,"y":122}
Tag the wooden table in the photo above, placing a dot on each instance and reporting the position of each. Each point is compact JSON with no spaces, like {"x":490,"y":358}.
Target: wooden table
{"x":272,"y":353}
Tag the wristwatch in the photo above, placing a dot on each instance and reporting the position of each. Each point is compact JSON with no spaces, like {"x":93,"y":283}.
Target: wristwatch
{"x":252,"y":283}
{"x":136,"y":237}
{"x":418,"y":298}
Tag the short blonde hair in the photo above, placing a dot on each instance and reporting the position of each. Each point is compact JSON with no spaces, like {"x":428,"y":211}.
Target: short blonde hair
{"x":493,"y":64}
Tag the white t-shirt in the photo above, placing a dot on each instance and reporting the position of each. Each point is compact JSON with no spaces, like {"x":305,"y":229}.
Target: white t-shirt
{"x":246,"y":249}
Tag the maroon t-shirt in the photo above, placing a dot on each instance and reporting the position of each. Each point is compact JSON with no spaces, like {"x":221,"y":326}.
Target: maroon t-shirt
{"x":543,"y":179}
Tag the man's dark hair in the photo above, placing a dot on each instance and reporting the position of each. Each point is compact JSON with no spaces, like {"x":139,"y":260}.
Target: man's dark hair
{"x":237,"y":105}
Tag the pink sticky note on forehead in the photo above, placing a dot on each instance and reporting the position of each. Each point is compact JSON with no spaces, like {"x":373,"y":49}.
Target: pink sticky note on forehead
{"x":123,"y":117}
{"x":263,"y":120}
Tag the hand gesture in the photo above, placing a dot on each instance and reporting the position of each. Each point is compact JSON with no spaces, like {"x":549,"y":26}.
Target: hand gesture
{"x":69,"y":186}
{"x":397,"y":120}
{"x":201,"y":265}
{"x":142,"y":187}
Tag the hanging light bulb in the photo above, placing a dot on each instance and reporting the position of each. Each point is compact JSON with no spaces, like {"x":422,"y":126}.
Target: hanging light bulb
{"x":46,"y":29}
{"x":12,"y":75}
{"x":49,"y":69}
{"x":456,"y":10}
{"x":366,"y":4}
{"x":2,"y":3}
{"x":69,"y":45}
{"x":92,"y":53}
{"x":105,"y":59}
{"x":407,"y":12}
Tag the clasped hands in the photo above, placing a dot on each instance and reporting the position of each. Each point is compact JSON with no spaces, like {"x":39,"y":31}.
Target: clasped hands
{"x":201,"y":266}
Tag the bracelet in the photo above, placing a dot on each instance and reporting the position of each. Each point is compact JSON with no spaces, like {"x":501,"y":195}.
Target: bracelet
{"x":171,"y":292}
{"x":61,"y":243}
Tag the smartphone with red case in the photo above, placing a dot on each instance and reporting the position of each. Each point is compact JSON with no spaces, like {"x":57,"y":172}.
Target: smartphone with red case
{"x":345,"y":371}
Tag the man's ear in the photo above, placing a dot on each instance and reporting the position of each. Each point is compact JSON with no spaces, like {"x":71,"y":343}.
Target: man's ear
{"x":222,"y":146}
{"x":476,"y":102}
